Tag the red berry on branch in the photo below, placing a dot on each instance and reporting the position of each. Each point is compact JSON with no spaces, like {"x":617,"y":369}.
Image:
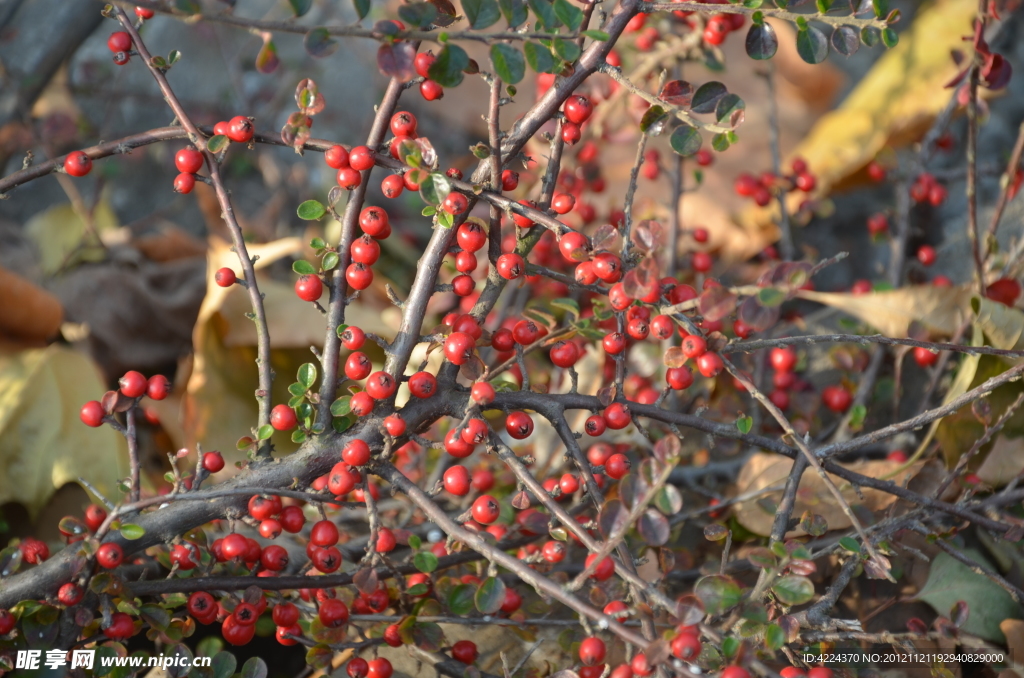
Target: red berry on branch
{"x":592,"y":651}
{"x":431,"y":91}
{"x":485,"y":509}
{"x":578,"y":109}
{"x":240,"y":129}
{"x":283,"y":418}
{"x":119,"y":41}
{"x":92,"y":414}
{"x":188,"y":160}
{"x":77,"y":164}
{"x":109,"y":555}
{"x":144,"y":13}
{"x":133,"y":384}
{"x":511,"y":266}
{"x":465,"y":651}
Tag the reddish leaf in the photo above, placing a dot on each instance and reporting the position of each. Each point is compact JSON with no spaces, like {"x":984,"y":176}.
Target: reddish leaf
{"x":716,"y":303}
{"x":606,"y":238}
{"x":308,"y":97}
{"x":677,"y":93}
{"x":757,"y":317}
{"x":613,"y":518}
{"x":667,"y":448}
{"x":689,"y":610}
{"x":395,"y":60}
{"x":674,"y":357}
{"x":365,"y":580}
{"x":267,"y":61}
{"x":648,"y":235}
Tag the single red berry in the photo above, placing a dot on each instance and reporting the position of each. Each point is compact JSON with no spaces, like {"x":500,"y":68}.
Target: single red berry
{"x":94,"y":517}
{"x":511,"y":266}
{"x":333,"y":613}
{"x":924,"y":357}
{"x":470,"y":236}
{"x":519,"y":425}
{"x":422,"y":63}
{"x":240,"y":129}
{"x":133,"y":384}
{"x":349,"y":178}
{"x":876,"y":173}
{"x":394,"y":425}
{"x":109,"y":555}
{"x":336,"y":157}
{"x":392,"y":636}
{"x":836,"y":398}
{"x":604,"y":570}
{"x":358,"y":276}
{"x":482,"y":393}
{"x":694,"y":346}
{"x":360,"y":158}
{"x":617,"y":416}
{"x":7,"y":622}
{"x":92,"y":414}
{"x":423,"y":384}
{"x":224,"y":277}
{"x":702,"y":262}
{"x":483,"y":480}
{"x":710,"y":364}
{"x":1006,"y":291}
{"x":571,"y":133}
{"x":592,"y":651}
{"x":926,"y":255}
{"x":686,"y":646}
{"x":735,"y":672}
{"x":292,"y":519}
{"x":356,"y":453}
{"x":324,"y":533}
{"x":455,"y":203}
{"x":578,"y":109}
{"x":792,"y":672}
{"x":459,"y":347}
{"x":509,"y":180}
{"x":465,"y":651}
{"x":353,"y":338}
{"x":595,"y":425}
{"x":607,"y":267}
{"x":456,"y":480}
{"x":553,"y":551}
{"x":638,"y":329}
{"x":503,"y":340}
{"x":144,"y":13}
{"x":309,"y":287}
{"x":403,"y":123}
{"x":525,"y":332}
{"x":431,"y":91}
{"x":158,"y":387}
{"x":188,"y":160}
{"x":465,"y":262}
{"x":70,"y":594}
{"x":361,"y":404}
{"x":184,"y":183}
{"x":283,"y":418}
{"x":475,"y":431}
{"x":563,"y":203}
{"x":202,"y":605}
{"x":878,"y":224}
{"x":392,"y":186}
{"x":617,"y":466}
{"x":380,"y":385}
{"x":380,"y":668}
{"x":119,"y":41}
{"x":564,"y":354}
{"x":614,"y":343}
{"x":485,"y":509}
{"x":270,"y":529}
{"x":640,"y":665}
{"x":77,"y":164}
{"x":121,"y":627}
{"x":783,"y":359}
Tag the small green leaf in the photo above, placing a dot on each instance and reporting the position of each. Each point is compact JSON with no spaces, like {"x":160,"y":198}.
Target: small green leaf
{"x":718,"y":592}
{"x":298,"y":436}
{"x":823,"y":6}
{"x":567,"y":50}
{"x":447,"y":68}
{"x":317,"y":243}
{"x":812,"y":45}
{"x":330,"y":261}
{"x":415,"y":542}
{"x":187,"y":6}
{"x":418,"y":14}
{"x":880,"y":7}
{"x":869,"y":35}
{"x":539,"y":57}
{"x":319,"y":43}
{"x":265,"y":432}
{"x":720,"y":142}
{"x":706,"y":97}
{"x":685,"y":140}
{"x":652,"y":122}
{"x":600,"y":36}
{"x":752,"y":4}
{"x":254,"y":667}
{"x":445,"y":220}
{"x":793,"y":589}
{"x":727,"y":108}
{"x":429,"y":211}
{"x":425,"y":561}
{"x":341,"y":406}
{"x":244,"y":443}
{"x":730,"y":646}
{"x":460,"y":600}
{"x":850,"y":544}
{"x":545,"y":13}
{"x":362,"y":8}
{"x":508,"y":62}
{"x":158,"y":62}
{"x":303,"y":267}
{"x":307,"y":375}
{"x":217,"y":143}
{"x":857,"y":415}
{"x":132,"y":532}
{"x":514,"y":11}
{"x":568,"y":305}
{"x":310,"y":210}
{"x":481,"y":13}
{"x":173,"y":57}
{"x":889,"y":37}
{"x":490,"y":595}
{"x":761,"y":43}
{"x":774,"y":637}
{"x":435,"y":188}
{"x":744,"y":424}
{"x":223,"y":664}
{"x":300,"y":7}
{"x":568,"y":14}
{"x":770,"y":297}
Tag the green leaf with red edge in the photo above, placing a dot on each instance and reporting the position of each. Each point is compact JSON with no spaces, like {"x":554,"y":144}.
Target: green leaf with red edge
{"x":319,"y":656}
{"x":460,"y":600}
{"x":793,"y":589}
{"x":706,"y":97}
{"x":718,"y":593}
{"x":490,"y":595}
{"x":761,"y":43}
{"x":319,"y":43}
{"x":653,"y":121}
{"x":428,"y":636}
{"x":845,"y":40}
{"x":267,"y":61}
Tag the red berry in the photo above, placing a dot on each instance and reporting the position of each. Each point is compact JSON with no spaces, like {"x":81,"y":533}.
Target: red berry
{"x":686,"y":646}
{"x":511,"y":266}
{"x":109,"y":555}
{"x":574,"y":247}
{"x":735,"y":672}
{"x":309,"y":287}
{"x":592,"y":651}
{"x":158,"y":387}
{"x":783,"y":359}
{"x":77,"y":164}
{"x":121,"y":627}
{"x":374,"y":222}
{"x":578,"y":109}
{"x":358,"y":366}
{"x":92,"y":414}
{"x":184,"y":183}
{"x":604,"y":570}
{"x":336,"y":157}
{"x":283,"y":418}
{"x":607,"y":267}
{"x":836,"y":398}
{"x":459,"y":347}
{"x":509,"y":180}
{"x":361,"y":404}
{"x":144,"y":13}
{"x":333,"y":613}
{"x":358,"y":276}
{"x":877,"y":224}
{"x":7,"y":622}
{"x":614,"y":343}
{"x":563,"y":203}
{"x":702,"y":262}
{"x":571,"y":133}
{"x":455,"y":203}
{"x":356,"y":453}
{"x":485,"y":509}
{"x":617,"y":466}
{"x":470,"y":236}
{"x":422,"y":63}
{"x":925,"y":357}
{"x":456,"y":480}
{"x":694,"y":346}
{"x":224,"y":277}
{"x":525,"y":332}
{"x":564,"y":354}
{"x":360,"y":158}
{"x":240,"y":129}
{"x":792,"y":672}
{"x":568,"y":483}
{"x":348,"y":178}
{"x":617,"y":416}
{"x":70,"y":594}
{"x":519,"y":425}
{"x":133,"y":384}
{"x":1006,"y":291}
{"x":595,"y":425}
{"x":475,"y":432}
{"x":403,"y":123}
{"x":94,"y":517}
{"x":926,"y":255}
{"x":876,"y":173}
{"x":819,"y":672}
{"x":465,"y":651}
{"x":353,"y":338}
{"x":483,"y":480}
{"x":188,"y":160}
{"x":482,"y":393}
{"x":380,"y":385}
{"x":119,"y":41}
{"x":431,"y":91}
{"x":392,"y":186}
{"x":394,"y":425}
{"x":710,"y":364}
{"x":324,"y":533}
{"x":423,"y":384}
{"x":640,"y":665}
{"x":553,"y":551}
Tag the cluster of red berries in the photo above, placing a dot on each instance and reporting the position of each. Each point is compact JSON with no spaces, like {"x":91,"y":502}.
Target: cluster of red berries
{"x":429,"y":90}
{"x":577,"y":110}
{"x":761,"y":189}
{"x":132,"y":385}
{"x":926,"y":188}
{"x":120,"y":43}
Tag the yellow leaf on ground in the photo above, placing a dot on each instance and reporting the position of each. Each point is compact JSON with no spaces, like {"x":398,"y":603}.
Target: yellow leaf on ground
{"x":1003,"y":325}
{"x":764,"y":470}
{"x":940,"y":310}
{"x":43,"y":444}
{"x":63,"y":239}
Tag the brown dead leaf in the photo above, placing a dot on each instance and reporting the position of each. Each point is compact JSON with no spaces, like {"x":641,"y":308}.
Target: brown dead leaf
{"x":764,"y":470}
{"x":1013,"y":629}
{"x":169,"y":244}
{"x":940,"y":310}
{"x":1003,"y":325}
{"x":28,"y":312}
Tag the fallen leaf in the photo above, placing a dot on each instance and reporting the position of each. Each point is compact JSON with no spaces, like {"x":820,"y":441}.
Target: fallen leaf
{"x":27,"y":311}
{"x":43,"y":444}
{"x":950,"y":581}
{"x":1002,"y":324}
{"x":764,"y":470}
{"x":940,"y":310}
{"x":63,"y":239}
{"x":1013,"y":629}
